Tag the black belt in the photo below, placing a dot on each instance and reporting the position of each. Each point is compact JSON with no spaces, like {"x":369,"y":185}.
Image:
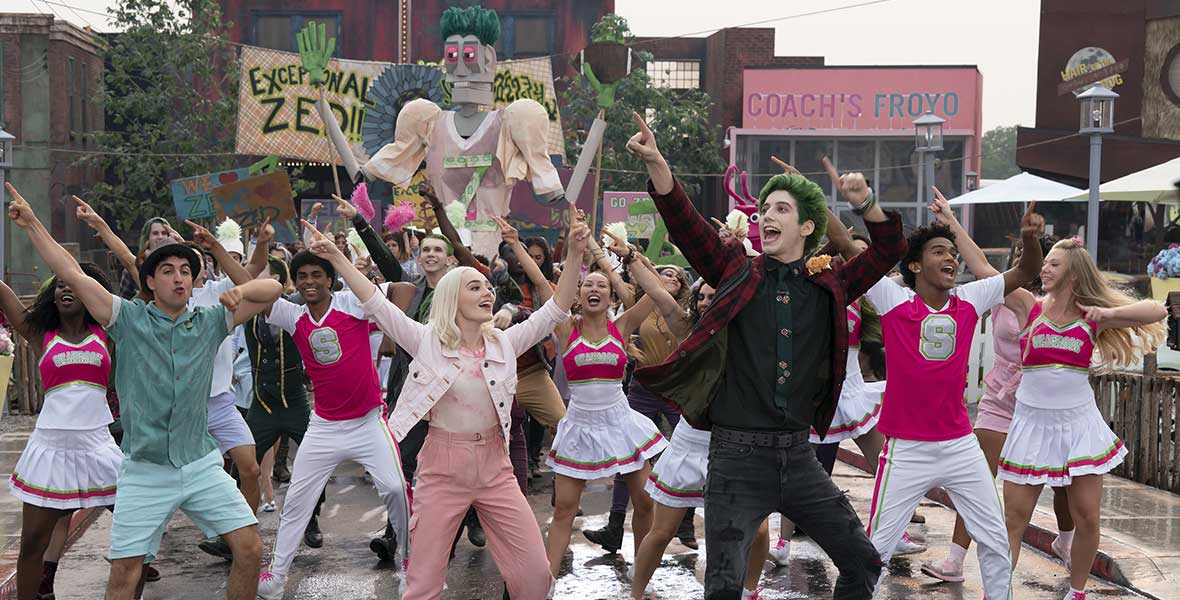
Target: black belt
{"x":765,"y":439}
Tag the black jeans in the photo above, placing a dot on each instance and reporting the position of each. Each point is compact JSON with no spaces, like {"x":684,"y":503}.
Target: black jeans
{"x":747,"y":482}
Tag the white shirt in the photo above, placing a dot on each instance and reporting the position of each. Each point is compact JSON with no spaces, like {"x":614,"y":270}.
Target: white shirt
{"x":223,"y":363}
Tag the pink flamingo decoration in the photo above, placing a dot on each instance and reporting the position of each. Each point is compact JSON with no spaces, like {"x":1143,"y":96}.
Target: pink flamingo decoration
{"x":746,"y":203}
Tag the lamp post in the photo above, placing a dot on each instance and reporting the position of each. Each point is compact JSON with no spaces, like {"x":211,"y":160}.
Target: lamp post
{"x":927,"y":142}
{"x":6,"y":140}
{"x":972,"y":181}
{"x":1097,"y":118}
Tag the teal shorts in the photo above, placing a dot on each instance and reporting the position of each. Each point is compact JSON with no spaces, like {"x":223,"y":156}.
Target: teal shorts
{"x":148,"y":494}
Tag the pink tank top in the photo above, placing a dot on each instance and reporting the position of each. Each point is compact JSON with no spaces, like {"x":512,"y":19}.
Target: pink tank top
{"x":86,"y":363}
{"x":1047,"y":345}
{"x":586,"y":362}
{"x":854,"y":323}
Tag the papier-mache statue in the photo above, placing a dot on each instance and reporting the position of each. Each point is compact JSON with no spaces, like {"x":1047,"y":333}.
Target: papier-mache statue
{"x":474,"y":155}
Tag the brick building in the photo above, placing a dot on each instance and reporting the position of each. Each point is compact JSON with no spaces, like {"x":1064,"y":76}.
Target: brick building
{"x":50,"y":73}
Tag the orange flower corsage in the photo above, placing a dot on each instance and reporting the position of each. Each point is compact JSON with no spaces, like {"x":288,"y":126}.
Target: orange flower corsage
{"x":819,"y":263}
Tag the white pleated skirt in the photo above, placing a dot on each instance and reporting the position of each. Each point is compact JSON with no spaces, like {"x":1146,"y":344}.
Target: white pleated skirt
{"x":678,"y":477}
{"x":1054,"y":445}
{"x":67,"y":469}
{"x":601,"y":435}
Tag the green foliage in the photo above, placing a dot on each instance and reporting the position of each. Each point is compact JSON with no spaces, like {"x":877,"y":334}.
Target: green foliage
{"x":170,"y":87}
{"x":680,"y":120}
{"x":483,"y":23}
{"x":999,"y":153}
{"x":611,"y":28}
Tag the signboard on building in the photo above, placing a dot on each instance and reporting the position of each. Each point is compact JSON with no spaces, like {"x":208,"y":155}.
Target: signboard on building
{"x":871,"y":99}
{"x":277,"y":114}
{"x":617,"y":208}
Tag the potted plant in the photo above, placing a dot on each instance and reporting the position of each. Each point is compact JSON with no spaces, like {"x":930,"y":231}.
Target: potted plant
{"x":1164,"y":270}
{"x":607,"y":53}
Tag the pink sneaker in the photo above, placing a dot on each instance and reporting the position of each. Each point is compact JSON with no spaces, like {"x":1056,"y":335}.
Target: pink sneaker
{"x":754,"y":595}
{"x":780,"y":554}
{"x":1072,"y":595}
{"x":945,"y":569}
{"x":270,"y":585}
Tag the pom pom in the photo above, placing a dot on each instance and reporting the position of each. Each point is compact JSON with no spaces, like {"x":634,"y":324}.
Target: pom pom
{"x":398,"y":216}
{"x":738,"y":222}
{"x":618,"y":229}
{"x":229,"y":230}
{"x":358,"y":246}
{"x":360,"y":199}
{"x":456,"y":213}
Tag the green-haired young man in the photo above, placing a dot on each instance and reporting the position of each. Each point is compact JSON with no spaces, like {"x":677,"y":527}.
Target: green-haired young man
{"x":760,"y":404}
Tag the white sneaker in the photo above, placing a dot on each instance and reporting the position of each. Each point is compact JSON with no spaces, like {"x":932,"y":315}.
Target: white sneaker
{"x":945,"y":569}
{"x":751,"y":595}
{"x":1061,"y":550}
{"x":906,"y":546}
{"x":631,"y":573}
{"x":270,"y":585}
{"x":780,"y":554}
{"x":268,"y":506}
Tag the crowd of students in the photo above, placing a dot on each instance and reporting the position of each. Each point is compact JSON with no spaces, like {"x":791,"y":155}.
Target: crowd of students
{"x":444,"y":374}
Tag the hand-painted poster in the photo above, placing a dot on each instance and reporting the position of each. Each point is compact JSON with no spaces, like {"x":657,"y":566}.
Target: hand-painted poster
{"x":276,"y":105}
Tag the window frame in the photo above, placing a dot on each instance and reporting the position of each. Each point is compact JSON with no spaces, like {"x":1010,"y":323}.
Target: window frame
{"x":71,"y":93}
{"x":298,"y":20}
{"x":655,"y":79}
{"x":507,"y":39}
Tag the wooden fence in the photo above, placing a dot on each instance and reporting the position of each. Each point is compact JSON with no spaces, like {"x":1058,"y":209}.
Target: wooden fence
{"x":1142,"y":409}
{"x":25,"y":394}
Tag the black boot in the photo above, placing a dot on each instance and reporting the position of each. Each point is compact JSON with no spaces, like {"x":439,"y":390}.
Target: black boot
{"x":687,"y":531}
{"x":475,"y":533}
{"x":611,"y":536}
{"x":385,"y":547}
{"x":216,"y":547}
{"x":312,"y":536}
{"x":280,"y":472}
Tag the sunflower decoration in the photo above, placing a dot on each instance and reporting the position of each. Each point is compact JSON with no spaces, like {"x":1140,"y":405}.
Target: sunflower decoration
{"x":393,"y":89}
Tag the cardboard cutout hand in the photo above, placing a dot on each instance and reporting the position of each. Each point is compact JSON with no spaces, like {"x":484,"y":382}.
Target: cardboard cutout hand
{"x":315,"y":51}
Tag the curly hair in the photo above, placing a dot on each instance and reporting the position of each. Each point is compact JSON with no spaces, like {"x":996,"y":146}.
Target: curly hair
{"x":810,"y":202}
{"x":481,"y":22}
{"x":916,"y":244}
{"x":547,"y":254}
{"x":682,"y":297}
{"x":42,"y":316}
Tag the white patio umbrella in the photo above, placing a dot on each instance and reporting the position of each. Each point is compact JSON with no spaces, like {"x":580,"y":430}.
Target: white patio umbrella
{"x":1018,"y":188}
{"x":1154,"y":184}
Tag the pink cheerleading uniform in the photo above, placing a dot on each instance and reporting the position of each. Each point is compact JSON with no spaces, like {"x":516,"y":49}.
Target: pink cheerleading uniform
{"x":71,"y":460}
{"x":1057,"y":432}
{"x":1000,"y":383}
{"x":601,"y":434}
{"x":860,"y":404}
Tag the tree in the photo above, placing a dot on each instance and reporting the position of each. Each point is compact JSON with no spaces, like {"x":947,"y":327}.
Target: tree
{"x":170,"y":95}
{"x":999,"y":153}
{"x":680,"y":119}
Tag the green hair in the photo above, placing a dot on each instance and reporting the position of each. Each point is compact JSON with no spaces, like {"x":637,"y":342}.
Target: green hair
{"x":809,"y":201}
{"x":481,"y":22}
{"x":443,"y":239}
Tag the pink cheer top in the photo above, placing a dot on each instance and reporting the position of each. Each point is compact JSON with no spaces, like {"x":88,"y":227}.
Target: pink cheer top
{"x":1056,"y":361}
{"x":595,"y":370}
{"x":854,"y":383}
{"x":1003,"y":378}
{"x":75,"y":377}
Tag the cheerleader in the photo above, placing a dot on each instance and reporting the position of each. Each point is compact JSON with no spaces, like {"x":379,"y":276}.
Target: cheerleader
{"x":70,"y":461}
{"x":600,"y":435}
{"x":1057,"y":435}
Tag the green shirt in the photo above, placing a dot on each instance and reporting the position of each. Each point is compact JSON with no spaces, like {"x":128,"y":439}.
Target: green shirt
{"x":163,"y":376}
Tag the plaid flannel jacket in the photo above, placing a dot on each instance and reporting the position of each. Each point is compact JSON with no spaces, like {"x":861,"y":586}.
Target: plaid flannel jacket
{"x":691,"y":375}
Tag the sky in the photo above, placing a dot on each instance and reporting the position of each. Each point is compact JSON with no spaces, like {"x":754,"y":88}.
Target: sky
{"x":1000,"y":36}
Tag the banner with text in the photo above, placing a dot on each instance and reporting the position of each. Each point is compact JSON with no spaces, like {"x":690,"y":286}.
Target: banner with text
{"x":616,"y":208}
{"x":276,"y":104}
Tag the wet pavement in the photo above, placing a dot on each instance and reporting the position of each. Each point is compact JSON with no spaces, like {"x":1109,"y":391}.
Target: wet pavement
{"x":344,"y":569}
{"x":12,"y":443}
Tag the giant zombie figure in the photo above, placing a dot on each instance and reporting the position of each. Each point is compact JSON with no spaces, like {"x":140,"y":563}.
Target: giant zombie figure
{"x":474,"y":154}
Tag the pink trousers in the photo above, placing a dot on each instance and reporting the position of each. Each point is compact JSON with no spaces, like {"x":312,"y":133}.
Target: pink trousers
{"x":457,"y":471}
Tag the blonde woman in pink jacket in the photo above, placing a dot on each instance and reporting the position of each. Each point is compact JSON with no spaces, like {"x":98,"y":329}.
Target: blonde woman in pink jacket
{"x":462,"y":379}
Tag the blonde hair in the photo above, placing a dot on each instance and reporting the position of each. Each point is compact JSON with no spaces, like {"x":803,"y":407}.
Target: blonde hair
{"x":444,"y":309}
{"x":1117,"y":344}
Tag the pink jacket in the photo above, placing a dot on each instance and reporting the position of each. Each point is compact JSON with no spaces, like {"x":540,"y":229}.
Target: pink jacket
{"x":435,"y":368}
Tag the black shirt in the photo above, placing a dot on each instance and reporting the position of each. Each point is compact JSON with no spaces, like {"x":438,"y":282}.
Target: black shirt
{"x":779,"y":357}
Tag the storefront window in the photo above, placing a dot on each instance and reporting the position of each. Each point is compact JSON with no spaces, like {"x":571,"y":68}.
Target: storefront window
{"x":809,"y":155}
{"x":898,"y":176}
{"x":948,"y":169}
{"x":857,"y":156}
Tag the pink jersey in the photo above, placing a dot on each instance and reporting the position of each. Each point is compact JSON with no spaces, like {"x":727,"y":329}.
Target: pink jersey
{"x":75,"y":377}
{"x":1056,"y":361}
{"x":927,"y":357}
{"x":602,"y":361}
{"x":854,"y":324}
{"x":336,"y":355}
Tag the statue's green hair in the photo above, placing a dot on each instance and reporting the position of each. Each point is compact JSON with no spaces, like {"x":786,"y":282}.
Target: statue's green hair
{"x":809,"y":201}
{"x":481,"y":22}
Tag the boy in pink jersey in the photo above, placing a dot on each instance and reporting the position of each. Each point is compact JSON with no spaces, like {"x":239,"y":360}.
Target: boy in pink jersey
{"x":332,"y":335}
{"x":928,"y":326}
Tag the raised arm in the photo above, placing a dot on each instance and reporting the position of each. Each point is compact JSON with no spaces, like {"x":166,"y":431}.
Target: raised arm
{"x":251,"y":298}
{"x":462,"y":254}
{"x":232,"y":268}
{"x":1143,"y":312}
{"x":98,"y":300}
{"x":325,"y":248}
{"x":968,"y":250}
{"x":258,"y":259}
{"x":567,"y":284}
{"x":647,"y":278}
{"x":622,"y":290}
{"x":389,"y":267}
{"x":114,"y":243}
{"x":543,"y":290}
{"x":1029,"y":265}
{"x":691,"y":232}
{"x":15,"y":312}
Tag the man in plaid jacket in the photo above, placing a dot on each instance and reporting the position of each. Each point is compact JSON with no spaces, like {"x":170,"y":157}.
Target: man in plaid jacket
{"x":766,"y":363}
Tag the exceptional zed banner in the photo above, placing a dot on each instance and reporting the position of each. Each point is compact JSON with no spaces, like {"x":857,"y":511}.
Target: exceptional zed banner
{"x":276,"y":105}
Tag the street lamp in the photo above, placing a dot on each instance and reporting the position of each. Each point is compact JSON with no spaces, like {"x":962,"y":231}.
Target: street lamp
{"x":927,"y":142}
{"x":1097,"y":118}
{"x":6,"y":140}
{"x":972,"y":181}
